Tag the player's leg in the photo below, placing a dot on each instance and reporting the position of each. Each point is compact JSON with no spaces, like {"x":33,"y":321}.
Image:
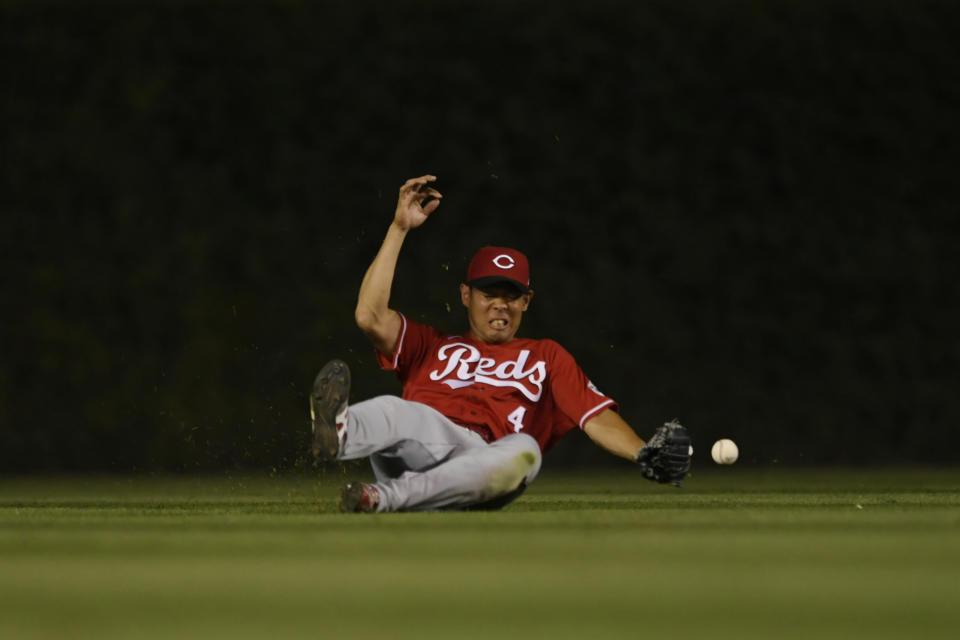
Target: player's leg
{"x":486,"y":476}
{"x":400,"y":435}
{"x":406,"y":455}
{"x":396,"y":434}
{"x":439,"y":464}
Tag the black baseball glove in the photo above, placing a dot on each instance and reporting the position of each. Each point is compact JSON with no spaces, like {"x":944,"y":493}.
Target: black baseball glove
{"x":666,"y":456}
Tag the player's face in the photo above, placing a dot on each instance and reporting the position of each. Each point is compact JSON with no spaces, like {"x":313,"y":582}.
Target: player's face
{"x":494,"y":311}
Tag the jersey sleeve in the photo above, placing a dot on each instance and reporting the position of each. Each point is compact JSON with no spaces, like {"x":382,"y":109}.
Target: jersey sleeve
{"x":574,"y":394}
{"x":413,"y":341}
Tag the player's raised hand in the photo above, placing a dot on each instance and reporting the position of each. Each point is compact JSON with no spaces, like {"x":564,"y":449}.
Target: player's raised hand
{"x":416,"y":202}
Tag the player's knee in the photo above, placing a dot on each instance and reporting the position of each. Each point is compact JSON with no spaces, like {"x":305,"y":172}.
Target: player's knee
{"x":527,"y":446}
{"x":532,"y":456}
{"x":521,"y":464}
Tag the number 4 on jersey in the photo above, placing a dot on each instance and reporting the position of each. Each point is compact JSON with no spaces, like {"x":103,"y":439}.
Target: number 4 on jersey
{"x":516,"y":418}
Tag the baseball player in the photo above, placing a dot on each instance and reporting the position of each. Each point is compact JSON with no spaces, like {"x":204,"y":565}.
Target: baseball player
{"x":478,"y":409}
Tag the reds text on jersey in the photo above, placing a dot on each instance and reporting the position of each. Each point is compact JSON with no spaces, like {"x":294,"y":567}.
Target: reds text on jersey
{"x":525,"y":385}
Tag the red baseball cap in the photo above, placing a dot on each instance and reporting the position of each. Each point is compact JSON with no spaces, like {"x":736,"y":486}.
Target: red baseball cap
{"x":499,"y":264}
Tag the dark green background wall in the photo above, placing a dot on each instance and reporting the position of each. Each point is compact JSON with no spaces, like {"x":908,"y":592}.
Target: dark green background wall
{"x":738,"y":213}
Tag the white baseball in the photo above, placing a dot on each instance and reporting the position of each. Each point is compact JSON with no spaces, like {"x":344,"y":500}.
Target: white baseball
{"x":725,"y":451}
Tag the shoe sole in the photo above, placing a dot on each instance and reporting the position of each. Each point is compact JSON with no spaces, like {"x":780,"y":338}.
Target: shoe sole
{"x":331,"y":388}
{"x":350,"y":497}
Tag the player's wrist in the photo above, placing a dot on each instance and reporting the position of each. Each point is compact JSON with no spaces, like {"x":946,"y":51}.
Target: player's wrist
{"x":398,"y":228}
{"x":640,"y":454}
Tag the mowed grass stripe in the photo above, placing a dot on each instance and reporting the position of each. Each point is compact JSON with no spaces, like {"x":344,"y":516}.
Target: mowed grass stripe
{"x":603,"y":555}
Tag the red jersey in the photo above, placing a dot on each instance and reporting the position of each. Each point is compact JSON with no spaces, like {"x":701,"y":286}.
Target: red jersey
{"x":527,"y":386}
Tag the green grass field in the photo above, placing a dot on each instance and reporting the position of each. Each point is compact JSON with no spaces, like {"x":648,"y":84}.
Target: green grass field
{"x":736,"y":553}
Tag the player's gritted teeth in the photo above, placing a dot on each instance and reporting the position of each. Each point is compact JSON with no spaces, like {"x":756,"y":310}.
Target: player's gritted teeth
{"x":499,"y":323}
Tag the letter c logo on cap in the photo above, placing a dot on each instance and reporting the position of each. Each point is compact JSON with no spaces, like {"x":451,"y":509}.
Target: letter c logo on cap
{"x":504,"y":261}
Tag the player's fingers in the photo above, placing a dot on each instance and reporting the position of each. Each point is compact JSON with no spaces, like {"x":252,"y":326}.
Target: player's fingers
{"x":430,"y":207}
{"x":418,"y":182}
{"x":433,"y":193}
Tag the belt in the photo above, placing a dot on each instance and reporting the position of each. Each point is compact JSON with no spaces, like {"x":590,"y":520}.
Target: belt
{"x":481,"y":430}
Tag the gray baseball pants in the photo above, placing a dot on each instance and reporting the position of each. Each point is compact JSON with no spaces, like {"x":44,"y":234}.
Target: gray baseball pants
{"x":423,"y":461}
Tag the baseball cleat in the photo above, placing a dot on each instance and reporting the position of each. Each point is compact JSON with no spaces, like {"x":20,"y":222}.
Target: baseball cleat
{"x":328,"y":408}
{"x":358,"y":497}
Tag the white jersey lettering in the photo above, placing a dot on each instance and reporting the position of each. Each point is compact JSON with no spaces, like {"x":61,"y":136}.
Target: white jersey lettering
{"x":464,"y":361}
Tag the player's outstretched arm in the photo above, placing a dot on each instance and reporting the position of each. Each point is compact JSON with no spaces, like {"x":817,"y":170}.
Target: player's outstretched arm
{"x":417,"y":200}
{"x":611,"y":432}
{"x":665,"y":458}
